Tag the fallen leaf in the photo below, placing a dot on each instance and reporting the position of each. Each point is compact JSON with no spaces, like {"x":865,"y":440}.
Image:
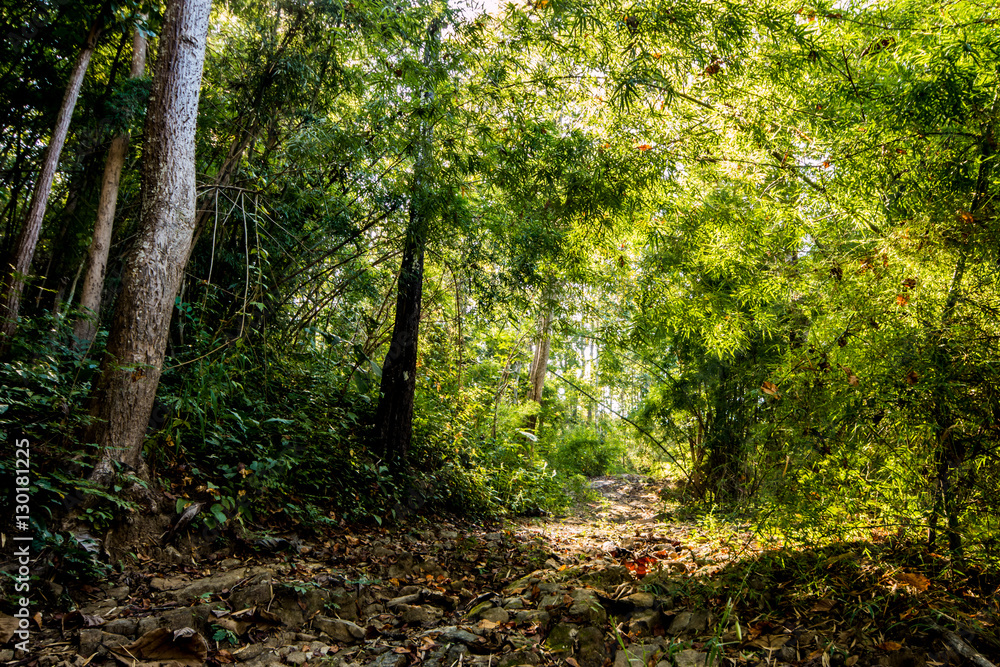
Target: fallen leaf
{"x":8,"y":626}
{"x":910,"y":283}
{"x":918,"y":581}
{"x":902,"y":300}
{"x":769,"y":388}
{"x":572,"y":662}
{"x":889,"y":646}
{"x":912,"y":378}
{"x":823,"y":605}
{"x":771,"y":642}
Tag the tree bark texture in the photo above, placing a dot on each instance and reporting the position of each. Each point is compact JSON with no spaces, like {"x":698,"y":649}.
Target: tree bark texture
{"x":394,"y":416}
{"x":130,"y":371}
{"x":15,"y":271}
{"x":97,"y":255}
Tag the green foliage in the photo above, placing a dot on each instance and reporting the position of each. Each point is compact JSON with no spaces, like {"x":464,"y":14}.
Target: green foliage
{"x":587,"y":451}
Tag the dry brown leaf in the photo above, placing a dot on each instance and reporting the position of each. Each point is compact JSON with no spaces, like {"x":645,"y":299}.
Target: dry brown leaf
{"x":824,"y":605}
{"x":769,"y":388}
{"x":902,"y":299}
{"x":183,"y":647}
{"x":918,"y":581}
{"x":572,"y":662}
{"x":771,"y":642}
{"x":889,"y":646}
{"x":853,"y":660}
{"x":8,"y":625}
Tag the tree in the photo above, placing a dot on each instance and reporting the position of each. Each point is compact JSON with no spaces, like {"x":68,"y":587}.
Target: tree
{"x":130,"y":370}
{"x":15,"y":272}
{"x":394,"y":417}
{"x":97,"y":255}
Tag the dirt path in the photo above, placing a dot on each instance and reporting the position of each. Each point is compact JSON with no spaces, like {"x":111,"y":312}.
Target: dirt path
{"x":615,"y":583}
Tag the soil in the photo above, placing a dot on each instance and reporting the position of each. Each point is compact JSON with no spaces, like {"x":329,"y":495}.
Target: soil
{"x":619,"y":581}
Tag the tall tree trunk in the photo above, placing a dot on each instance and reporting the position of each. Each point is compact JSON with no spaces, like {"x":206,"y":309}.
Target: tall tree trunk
{"x":16,"y":270}
{"x":97,"y":262}
{"x":540,"y":361}
{"x":394,"y":416}
{"x":130,"y":371}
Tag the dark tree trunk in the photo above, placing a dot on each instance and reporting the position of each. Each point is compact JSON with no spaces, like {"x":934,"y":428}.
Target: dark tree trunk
{"x":130,"y":371}
{"x":394,"y":416}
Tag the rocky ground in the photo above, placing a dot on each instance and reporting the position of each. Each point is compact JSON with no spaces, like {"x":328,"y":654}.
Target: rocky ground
{"x":617,"y":583}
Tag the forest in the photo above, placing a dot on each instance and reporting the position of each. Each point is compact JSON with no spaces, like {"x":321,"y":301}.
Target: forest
{"x":318,"y":267}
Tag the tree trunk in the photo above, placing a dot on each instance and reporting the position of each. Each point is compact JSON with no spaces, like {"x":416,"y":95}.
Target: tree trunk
{"x":16,"y":270}
{"x":97,"y":262}
{"x":540,"y":362}
{"x":394,"y":416}
{"x":130,"y":371}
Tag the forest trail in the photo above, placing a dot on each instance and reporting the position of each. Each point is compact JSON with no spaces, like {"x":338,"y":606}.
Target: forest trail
{"x":616,"y":582}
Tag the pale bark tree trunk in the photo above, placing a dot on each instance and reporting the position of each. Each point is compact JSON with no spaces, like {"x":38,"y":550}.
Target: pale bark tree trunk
{"x":16,"y":270}
{"x":97,"y":262}
{"x":394,"y":415}
{"x":130,"y":371}
{"x":540,"y":362}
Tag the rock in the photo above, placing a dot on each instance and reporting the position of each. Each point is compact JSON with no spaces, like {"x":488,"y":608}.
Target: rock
{"x":456,"y":635}
{"x":521,"y":658}
{"x":493,"y":537}
{"x":339,"y":630}
{"x":690,"y":658}
{"x":642,"y":600}
{"x":118,"y":592}
{"x":787,"y":654}
{"x":390,"y":659}
{"x":592,"y":650}
{"x":93,"y":640}
{"x":221,"y":582}
{"x":495,"y":614}
{"x":146,"y":624}
{"x":249,"y":652}
{"x":590,"y":610}
{"x":7,"y":654}
{"x":637,"y":655}
{"x":230,"y":562}
{"x":171,"y":584}
{"x":121,"y":626}
{"x":608,"y":577}
{"x":297,"y":658}
{"x":411,"y":599}
{"x":417,"y":614}
{"x":689,"y":622}
{"x":448,"y":534}
{"x":513,"y":603}
{"x":171,"y":555}
{"x":561,"y":638}
{"x":533,"y":616}
{"x":551,"y":601}
{"x":645,"y":623}
{"x":476,"y":612}
{"x":254,"y":593}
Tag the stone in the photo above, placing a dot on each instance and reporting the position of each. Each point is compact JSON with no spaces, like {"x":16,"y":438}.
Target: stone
{"x":448,"y":534}
{"x":533,"y":616}
{"x":146,"y":624}
{"x":119,"y":592}
{"x":417,"y":614}
{"x":690,"y":658}
{"x":495,"y":614}
{"x":787,"y":654}
{"x":230,"y":562}
{"x":249,"y":652}
{"x":339,"y":630}
{"x":456,"y":635}
{"x":411,"y":599}
{"x":178,"y":618}
{"x":592,"y":650}
{"x":390,"y":659}
{"x":513,"y":603}
{"x":642,"y":600}
{"x":645,"y":623}
{"x":637,"y":655}
{"x":689,"y":622}
{"x":590,"y":610}
{"x":608,"y":577}
{"x":561,"y":638}
{"x":551,"y":601}
{"x":121,"y":626}
{"x":171,"y":555}
{"x":520,"y":658}
{"x":474,"y":613}
{"x":297,"y":658}
{"x":94,"y":640}
{"x":171,"y":584}
{"x":254,"y":593}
